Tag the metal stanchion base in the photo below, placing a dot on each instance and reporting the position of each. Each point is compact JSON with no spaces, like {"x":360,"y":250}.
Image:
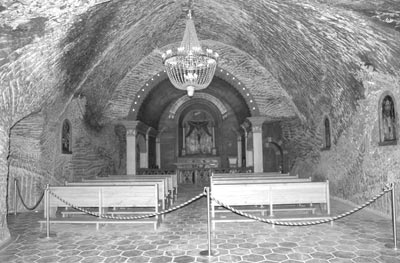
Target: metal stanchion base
{"x":391,"y":245}
{"x":206,"y":253}
{"x":44,"y":236}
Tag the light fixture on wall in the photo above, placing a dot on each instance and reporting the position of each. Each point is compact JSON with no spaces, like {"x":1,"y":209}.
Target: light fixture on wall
{"x":189,"y":67}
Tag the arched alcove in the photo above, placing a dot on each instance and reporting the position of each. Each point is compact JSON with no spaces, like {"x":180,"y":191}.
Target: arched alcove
{"x":387,"y":115}
{"x":327,"y":131}
{"x":273,"y":157}
{"x":66,"y":137}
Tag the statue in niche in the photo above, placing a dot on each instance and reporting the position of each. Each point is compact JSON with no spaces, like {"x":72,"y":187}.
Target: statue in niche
{"x":327,"y":134}
{"x":388,"y":119}
{"x":66,"y":138}
{"x":198,"y":135}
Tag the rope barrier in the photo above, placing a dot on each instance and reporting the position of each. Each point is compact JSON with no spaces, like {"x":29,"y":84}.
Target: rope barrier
{"x":131,"y":217}
{"x":387,"y":188}
{"x":22,"y":200}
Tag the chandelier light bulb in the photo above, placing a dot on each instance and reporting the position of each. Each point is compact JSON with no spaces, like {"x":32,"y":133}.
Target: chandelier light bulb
{"x":190,"y":91}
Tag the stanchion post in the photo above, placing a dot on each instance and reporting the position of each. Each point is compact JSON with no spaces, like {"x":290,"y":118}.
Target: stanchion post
{"x":15,"y":197}
{"x":208,"y":221}
{"x":47,"y":199}
{"x":208,"y":252}
{"x":394,"y":216}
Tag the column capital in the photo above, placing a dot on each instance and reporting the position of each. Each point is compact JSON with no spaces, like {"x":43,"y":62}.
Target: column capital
{"x":132,"y":125}
{"x":256,"y":123}
{"x":131,"y":132}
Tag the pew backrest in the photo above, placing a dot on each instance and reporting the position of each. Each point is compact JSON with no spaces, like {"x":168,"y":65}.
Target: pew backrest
{"x":172,"y":179}
{"x":274,"y":174}
{"x":258,"y":180}
{"x":162,"y":182}
{"x":238,"y":176}
{"x":271,"y":194}
{"x":105,"y":196}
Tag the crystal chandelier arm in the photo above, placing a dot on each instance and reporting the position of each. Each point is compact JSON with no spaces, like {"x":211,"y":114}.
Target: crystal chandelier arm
{"x":203,"y":76}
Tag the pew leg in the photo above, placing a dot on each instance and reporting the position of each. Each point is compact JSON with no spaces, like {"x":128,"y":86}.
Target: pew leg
{"x":169,"y":199}
{"x":162,"y":209}
{"x":175,"y":196}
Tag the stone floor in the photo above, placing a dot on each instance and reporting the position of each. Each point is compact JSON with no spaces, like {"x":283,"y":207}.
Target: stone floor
{"x":362,"y":237}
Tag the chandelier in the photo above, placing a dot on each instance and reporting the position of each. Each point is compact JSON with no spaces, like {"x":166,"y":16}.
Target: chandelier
{"x":189,"y":67}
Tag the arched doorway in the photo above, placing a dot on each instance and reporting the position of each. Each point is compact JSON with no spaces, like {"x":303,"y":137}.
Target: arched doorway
{"x":166,"y":109}
{"x":273,"y":157}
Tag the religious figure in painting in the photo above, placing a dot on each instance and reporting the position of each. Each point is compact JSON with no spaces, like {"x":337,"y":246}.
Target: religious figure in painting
{"x":198,"y":139}
{"x":198,"y":135}
{"x":205,"y":142}
{"x":388,"y":119}
{"x":192,"y":143}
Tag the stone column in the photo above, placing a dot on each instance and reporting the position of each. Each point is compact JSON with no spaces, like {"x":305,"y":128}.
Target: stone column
{"x":213,"y":150}
{"x":146,"y":155}
{"x":239,"y":151}
{"x":158,"y":152}
{"x":131,"y":146}
{"x":249,"y":152}
{"x":256,"y":127}
{"x":4,"y":150}
{"x":183,"y":141}
{"x":246,"y":163}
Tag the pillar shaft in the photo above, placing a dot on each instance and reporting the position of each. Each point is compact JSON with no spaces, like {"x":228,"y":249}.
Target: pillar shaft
{"x":158,"y":152}
{"x":256,"y":127}
{"x":131,"y":146}
{"x":239,"y":151}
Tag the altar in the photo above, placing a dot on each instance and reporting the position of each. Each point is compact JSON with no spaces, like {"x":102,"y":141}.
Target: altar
{"x":196,"y":169}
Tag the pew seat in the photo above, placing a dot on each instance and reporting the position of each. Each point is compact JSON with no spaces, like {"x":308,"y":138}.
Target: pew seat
{"x":289,"y":197}
{"x":102,"y":200}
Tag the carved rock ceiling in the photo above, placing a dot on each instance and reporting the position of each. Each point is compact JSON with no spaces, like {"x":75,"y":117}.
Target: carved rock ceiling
{"x":296,"y":57}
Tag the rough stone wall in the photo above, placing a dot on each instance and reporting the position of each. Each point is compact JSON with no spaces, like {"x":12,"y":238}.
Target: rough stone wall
{"x":303,"y":146}
{"x":356,"y":166}
{"x":36,"y":158}
{"x":24,"y":161}
{"x":94,"y":153}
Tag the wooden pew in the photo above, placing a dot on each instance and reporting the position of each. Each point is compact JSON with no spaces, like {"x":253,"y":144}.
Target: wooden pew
{"x":138,"y":198}
{"x":258,"y":180}
{"x":256,"y":196}
{"x":262,"y":175}
{"x":172,"y":178}
{"x":162,"y":184}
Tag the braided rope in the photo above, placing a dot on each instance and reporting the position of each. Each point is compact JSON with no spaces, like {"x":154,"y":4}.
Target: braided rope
{"x":387,"y":188}
{"x":23,"y":202}
{"x":129,"y":217}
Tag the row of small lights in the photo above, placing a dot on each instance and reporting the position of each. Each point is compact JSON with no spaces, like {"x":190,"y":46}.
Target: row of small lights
{"x":233,"y":78}
{"x":147,"y":84}
{"x":243,"y":88}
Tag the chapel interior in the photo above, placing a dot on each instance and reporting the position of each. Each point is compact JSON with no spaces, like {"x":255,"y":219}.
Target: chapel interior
{"x":308,"y":88}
